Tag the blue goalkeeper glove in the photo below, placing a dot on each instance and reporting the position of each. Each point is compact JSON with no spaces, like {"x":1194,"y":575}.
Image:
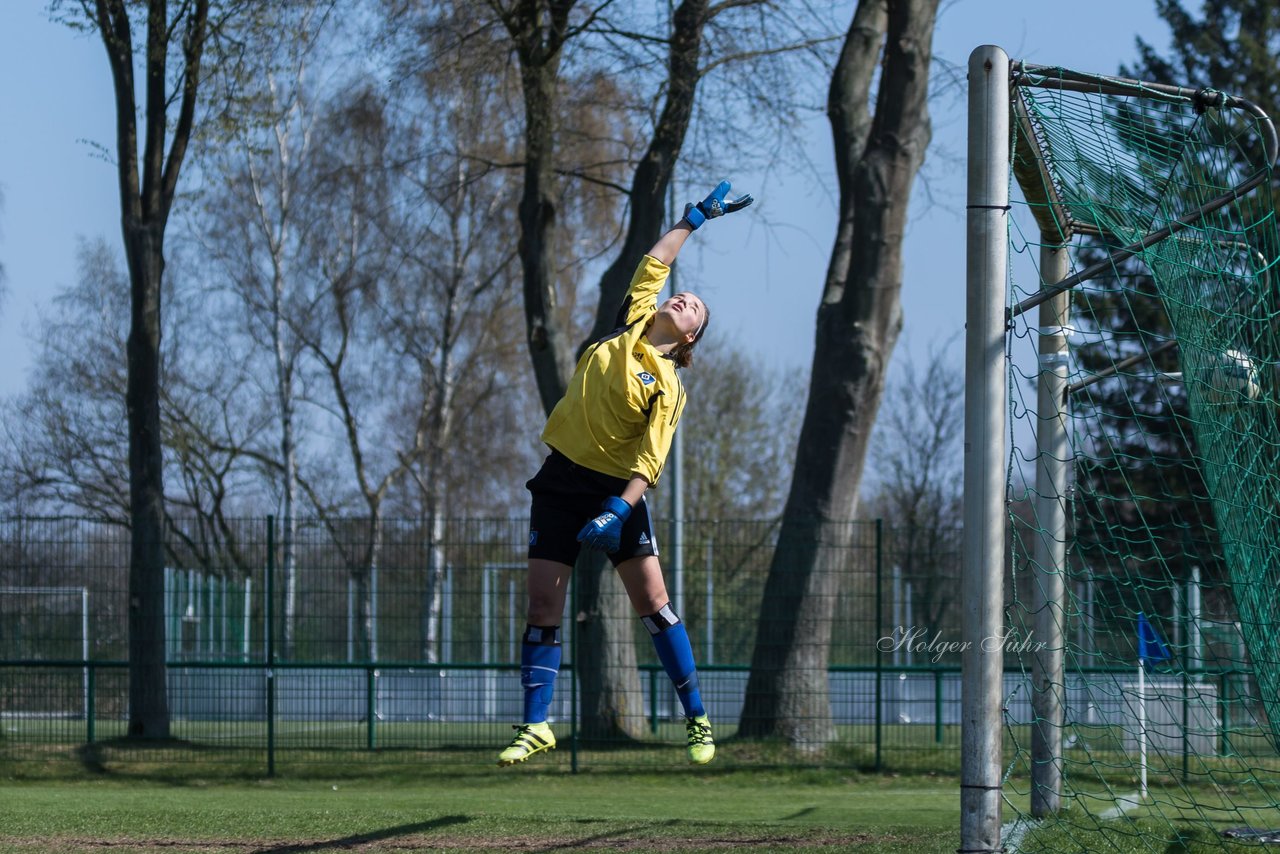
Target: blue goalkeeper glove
{"x":604,"y":533}
{"x":715,"y":205}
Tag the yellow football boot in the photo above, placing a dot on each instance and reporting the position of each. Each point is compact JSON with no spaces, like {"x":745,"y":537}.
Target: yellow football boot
{"x":530,"y":739}
{"x":702,"y":747}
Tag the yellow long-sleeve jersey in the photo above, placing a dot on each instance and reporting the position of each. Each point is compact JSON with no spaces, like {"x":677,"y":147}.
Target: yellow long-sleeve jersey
{"x":620,"y":411}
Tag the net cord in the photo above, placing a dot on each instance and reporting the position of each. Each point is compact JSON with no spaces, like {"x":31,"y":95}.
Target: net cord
{"x":1024,"y":75}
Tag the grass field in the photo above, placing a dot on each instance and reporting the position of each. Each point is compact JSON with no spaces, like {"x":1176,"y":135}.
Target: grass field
{"x":517,"y":809}
{"x":54,"y":807}
{"x":331,"y":794}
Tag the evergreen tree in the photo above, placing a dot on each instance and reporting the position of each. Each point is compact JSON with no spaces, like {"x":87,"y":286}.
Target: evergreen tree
{"x":1139,"y":478}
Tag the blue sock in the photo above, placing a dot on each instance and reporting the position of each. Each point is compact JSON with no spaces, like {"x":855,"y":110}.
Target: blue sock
{"x":672,"y":643}
{"x":539,"y":664}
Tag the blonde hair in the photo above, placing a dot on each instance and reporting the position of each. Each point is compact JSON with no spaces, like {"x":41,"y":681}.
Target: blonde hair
{"x":682,"y":355}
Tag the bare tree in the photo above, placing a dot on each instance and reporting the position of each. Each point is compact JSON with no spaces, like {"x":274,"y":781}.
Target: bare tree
{"x":451,"y":305}
{"x":148,"y":182}
{"x":67,"y":450}
{"x":740,"y":439}
{"x":252,"y":225}
{"x":167,"y":44}
{"x":67,"y":447}
{"x":917,"y":463}
{"x":539,"y":30}
{"x":860,"y":315}
{"x":348,"y":260}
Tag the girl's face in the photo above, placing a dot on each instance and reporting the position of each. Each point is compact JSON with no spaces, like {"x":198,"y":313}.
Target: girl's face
{"x":686,"y":312}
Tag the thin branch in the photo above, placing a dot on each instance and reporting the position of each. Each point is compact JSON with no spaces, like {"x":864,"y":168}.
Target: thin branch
{"x":754,"y":54}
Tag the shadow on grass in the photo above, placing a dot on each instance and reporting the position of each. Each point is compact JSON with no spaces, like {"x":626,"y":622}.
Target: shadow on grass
{"x":616,"y":836}
{"x":181,"y":762}
{"x":366,"y":838}
{"x":172,"y":761}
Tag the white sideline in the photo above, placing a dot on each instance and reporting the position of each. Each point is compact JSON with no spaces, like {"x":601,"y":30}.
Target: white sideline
{"x":1124,"y":803}
{"x":1012,"y":832}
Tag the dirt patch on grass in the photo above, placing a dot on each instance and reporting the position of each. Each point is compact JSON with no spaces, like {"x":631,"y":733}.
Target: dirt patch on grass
{"x":433,"y":843}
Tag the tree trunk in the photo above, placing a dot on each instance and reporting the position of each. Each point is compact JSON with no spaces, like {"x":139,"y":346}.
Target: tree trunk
{"x":148,"y":698}
{"x":366,"y":582}
{"x":858,"y":323}
{"x":654,"y":172}
{"x":147,"y":186}
{"x":540,"y":55}
{"x":289,"y":455}
{"x":436,"y":497}
{"x":439,"y":431}
{"x":604,"y":651}
{"x":433,"y":594}
{"x":289,"y":558}
{"x":368,"y":612}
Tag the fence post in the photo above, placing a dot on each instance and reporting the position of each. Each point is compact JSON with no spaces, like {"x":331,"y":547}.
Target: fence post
{"x":370,"y":704}
{"x":573,"y":681}
{"x":937,"y":706}
{"x":653,"y":701}
{"x":1224,"y":705}
{"x":90,"y":692}
{"x":1186,"y":717}
{"x":270,"y":646}
{"x":879,"y":652}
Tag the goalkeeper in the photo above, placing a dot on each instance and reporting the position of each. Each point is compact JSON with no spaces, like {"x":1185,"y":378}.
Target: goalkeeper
{"x":609,"y":436}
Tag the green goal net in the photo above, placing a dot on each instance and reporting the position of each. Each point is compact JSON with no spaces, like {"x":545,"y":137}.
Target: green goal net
{"x":1144,"y":468}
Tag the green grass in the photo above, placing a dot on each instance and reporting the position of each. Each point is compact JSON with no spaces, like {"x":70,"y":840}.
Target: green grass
{"x":433,"y":787}
{"x":142,"y":807}
{"x":1151,"y":827}
{"x":488,"y":809}
{"x":906,"y":748}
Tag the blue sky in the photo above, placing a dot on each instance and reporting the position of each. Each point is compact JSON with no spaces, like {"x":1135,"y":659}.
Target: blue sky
{"x":762,"y":282}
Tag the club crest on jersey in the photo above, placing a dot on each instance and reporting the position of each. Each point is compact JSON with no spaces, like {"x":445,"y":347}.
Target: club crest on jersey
{"x":647,"y":378}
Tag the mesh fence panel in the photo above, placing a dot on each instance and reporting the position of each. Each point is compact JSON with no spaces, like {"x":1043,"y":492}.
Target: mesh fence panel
{"x":390,"y":645}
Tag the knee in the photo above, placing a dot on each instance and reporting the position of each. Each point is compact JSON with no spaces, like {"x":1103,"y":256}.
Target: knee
{"x":649,"y":605}
{"x":544,"y":609}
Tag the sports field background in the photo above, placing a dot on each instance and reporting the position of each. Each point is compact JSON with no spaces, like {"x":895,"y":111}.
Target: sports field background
{"x":518,"y":809}
{"x":236,"y":686}
{"x":262,"y":738}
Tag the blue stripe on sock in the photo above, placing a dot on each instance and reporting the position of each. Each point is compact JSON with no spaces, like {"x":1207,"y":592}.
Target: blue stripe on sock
{"x":676,"y":655}
{"x":539,"y":666}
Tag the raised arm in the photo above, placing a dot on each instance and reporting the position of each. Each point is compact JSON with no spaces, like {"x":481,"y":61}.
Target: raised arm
{"x":668,"y":245}
{"x":714,"y":205}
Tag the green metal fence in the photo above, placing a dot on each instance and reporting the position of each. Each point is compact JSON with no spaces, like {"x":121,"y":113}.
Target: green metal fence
{"x":352,"y":643}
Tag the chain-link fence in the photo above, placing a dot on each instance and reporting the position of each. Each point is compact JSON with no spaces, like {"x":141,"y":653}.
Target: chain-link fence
{"x":347,"y":641}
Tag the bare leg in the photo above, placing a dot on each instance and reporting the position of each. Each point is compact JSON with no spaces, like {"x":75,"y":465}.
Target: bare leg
{"x":642,"y":577}
{"x":539,"y":658}
{"x":547,"y":582}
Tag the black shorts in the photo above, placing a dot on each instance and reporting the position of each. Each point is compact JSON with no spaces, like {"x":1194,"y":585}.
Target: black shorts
{"x":566,"y":496}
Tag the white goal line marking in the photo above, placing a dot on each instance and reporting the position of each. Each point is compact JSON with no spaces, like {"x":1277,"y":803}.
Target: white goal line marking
{"x":1013,"y":832}
{"x":1124,"y":804}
